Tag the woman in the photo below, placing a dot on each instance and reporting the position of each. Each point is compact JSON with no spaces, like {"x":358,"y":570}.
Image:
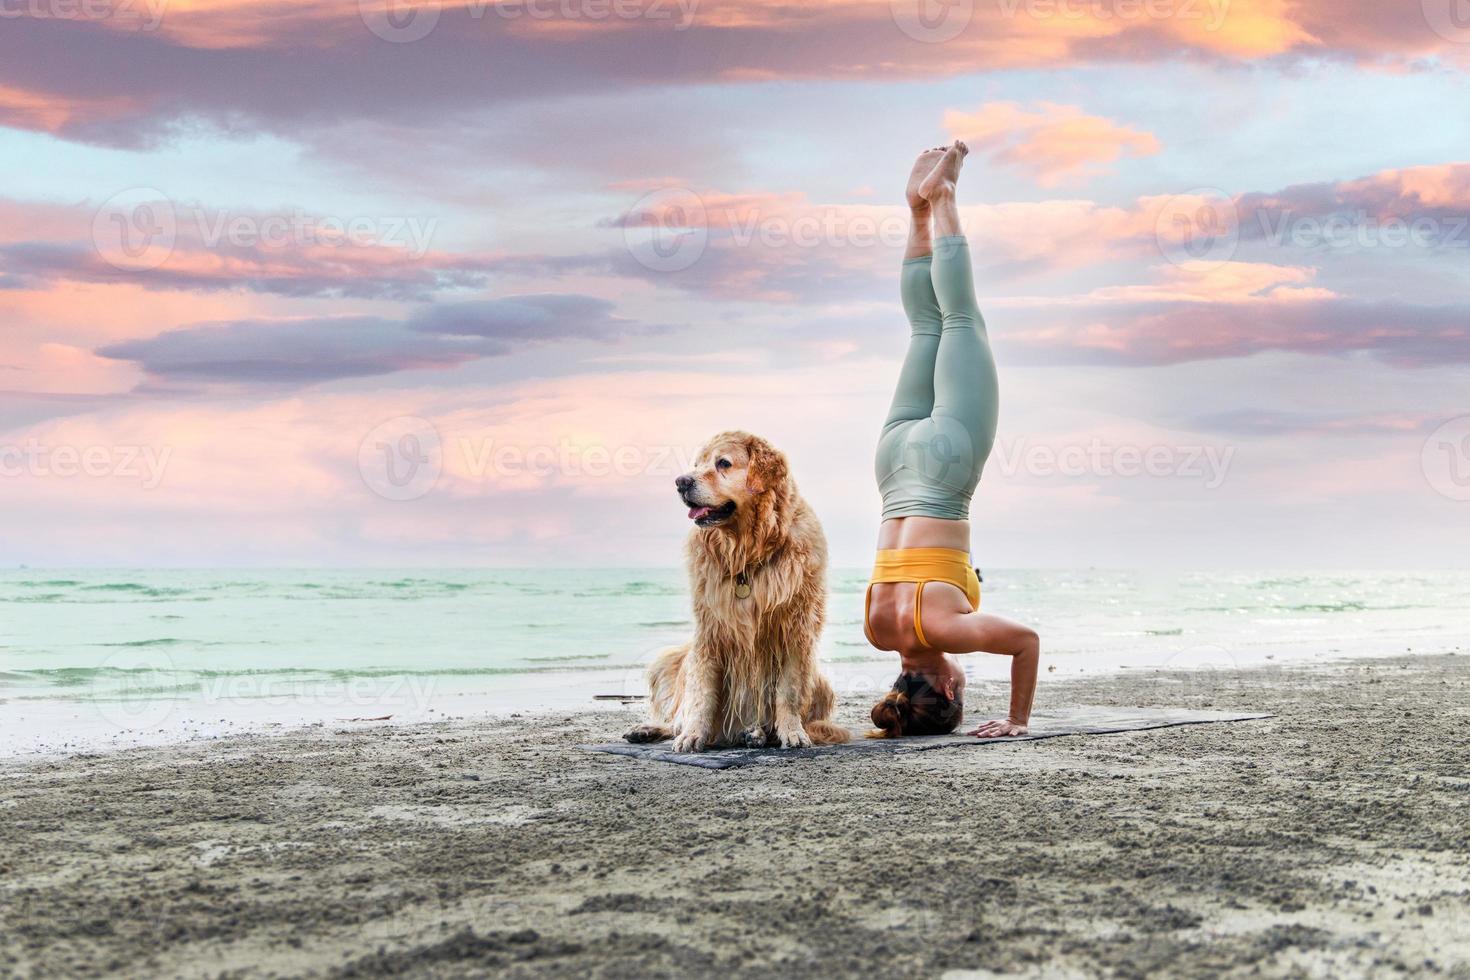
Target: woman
{"x":924,"y":598}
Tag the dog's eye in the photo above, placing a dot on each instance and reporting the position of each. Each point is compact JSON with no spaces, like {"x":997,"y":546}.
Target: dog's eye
{"x":723,"y":464}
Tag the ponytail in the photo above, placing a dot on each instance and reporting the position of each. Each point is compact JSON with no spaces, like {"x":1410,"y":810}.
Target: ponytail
{"x":892,"y":715}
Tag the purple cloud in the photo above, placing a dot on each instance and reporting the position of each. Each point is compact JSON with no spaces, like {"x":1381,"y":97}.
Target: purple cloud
{"x":307,"y":351}
{"x":1405,"y":334}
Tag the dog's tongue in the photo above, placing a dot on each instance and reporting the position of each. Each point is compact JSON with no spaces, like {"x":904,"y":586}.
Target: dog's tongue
{"x":695,"y":513}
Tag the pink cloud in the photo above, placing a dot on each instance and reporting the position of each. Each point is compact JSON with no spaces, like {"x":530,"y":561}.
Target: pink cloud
{"x":1054,"y":142}
{"x":49,"y":112}
{"x":201,"y":249}
{"x":232,"y":62}
{"x":1210,"y":282}
{"x":1171,"y":332}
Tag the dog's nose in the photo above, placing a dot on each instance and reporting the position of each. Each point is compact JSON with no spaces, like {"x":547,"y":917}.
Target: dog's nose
{"x":683,"y":483}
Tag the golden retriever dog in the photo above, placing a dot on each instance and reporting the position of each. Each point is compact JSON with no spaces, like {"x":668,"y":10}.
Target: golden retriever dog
{"x":757,"y":562}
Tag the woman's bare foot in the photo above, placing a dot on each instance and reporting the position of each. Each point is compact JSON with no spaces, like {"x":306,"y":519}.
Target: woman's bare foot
{"x":941,"y":181}
{"x":922,"y":168}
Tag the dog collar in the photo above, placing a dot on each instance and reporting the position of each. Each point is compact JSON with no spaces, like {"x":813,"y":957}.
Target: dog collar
{"x":742,"y":577}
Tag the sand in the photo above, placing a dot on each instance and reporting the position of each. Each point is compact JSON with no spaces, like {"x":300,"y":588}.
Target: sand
{"x":1332,"y":840}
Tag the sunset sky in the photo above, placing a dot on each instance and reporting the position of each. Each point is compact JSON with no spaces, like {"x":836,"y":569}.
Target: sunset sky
{"x":341,"y":283}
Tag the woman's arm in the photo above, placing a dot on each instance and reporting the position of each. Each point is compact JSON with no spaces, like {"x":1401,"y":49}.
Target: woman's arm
{"x":952,"y":627}
{"x":1024,"y":665}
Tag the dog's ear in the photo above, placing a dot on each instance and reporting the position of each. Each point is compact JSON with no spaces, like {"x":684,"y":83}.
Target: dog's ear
{"x":767,"y":466}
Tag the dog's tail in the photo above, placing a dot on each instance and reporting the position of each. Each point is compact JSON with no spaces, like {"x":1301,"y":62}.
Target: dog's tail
{"x":818,"y":710}
{"x":827,"y":733}
{"x":666,"y":682}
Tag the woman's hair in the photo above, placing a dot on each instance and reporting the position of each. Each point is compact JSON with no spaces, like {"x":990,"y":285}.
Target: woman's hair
{"x":915,"y":707}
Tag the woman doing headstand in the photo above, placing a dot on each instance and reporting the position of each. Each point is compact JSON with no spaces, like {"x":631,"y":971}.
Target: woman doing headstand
{"x":924,"y":597}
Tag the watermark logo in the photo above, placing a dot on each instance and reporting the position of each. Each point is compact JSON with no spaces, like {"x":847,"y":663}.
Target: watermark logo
{"x":37,"y":460}
{"x":1445,"y":459}
{"x":298,"y":229}
{"x":1204,"y":656}
{"x":1357,"y":230}
{"x":941,"y":449}
{"x":483,"y":458}
{"x":932,"y":21}
{"x":407,"y":21}
{"x":135,"y":230}
{"x":1211,"y":12}
{"x":139,"y":229}
{"x":681,"y":12}
{"x":132,"y":688}
{"x":1450,"y":19}
{"x":1206,"y":464}
{"x":148,"y":14}
{"x":667,"y":230}
{"x":379,"y":696}
{"x":402,"y":458}
{"x":1200,"y":226}
{"x":400,"y":21}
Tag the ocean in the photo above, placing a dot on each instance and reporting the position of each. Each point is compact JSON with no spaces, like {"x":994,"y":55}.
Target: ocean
{"x":100,"y":658}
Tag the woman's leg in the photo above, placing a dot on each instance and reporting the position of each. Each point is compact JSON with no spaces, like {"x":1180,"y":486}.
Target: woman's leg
{"x":913,"y":397}
{"x":966,"y":398}
{"x":966,"y":391}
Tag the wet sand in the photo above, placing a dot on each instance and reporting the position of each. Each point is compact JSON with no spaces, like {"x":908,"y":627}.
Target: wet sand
{"x":1331,"y":840}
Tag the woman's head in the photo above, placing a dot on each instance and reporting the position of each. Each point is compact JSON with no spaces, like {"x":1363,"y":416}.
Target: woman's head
{"x":920,"y":704}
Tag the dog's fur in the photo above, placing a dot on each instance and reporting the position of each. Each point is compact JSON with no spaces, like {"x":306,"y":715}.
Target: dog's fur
{"x":749,"y":676}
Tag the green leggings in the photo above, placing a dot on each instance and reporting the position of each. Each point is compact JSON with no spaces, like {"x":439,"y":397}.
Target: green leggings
{"x":941,"y":425}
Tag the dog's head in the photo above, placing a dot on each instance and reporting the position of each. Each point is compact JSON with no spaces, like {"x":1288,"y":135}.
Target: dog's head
{"x":735,"y":476}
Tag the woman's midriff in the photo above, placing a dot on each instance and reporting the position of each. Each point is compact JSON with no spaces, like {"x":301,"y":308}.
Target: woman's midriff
{"x":888,"y":598}
{"x":923,"y":532}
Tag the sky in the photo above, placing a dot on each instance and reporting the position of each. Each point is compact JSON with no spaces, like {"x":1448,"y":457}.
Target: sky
{"x":383,"y":283}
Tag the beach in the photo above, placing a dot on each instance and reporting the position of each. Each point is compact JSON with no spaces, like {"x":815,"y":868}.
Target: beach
{"x":1329,"y":840}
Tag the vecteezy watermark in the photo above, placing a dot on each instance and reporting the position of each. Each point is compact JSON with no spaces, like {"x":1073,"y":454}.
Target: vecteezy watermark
{"x":376,"y":694}
{"x":400,"y":21}
{"x":822,"y":227}
{"x":135,"y":230}
{"x":1211,"y":12}
{"x":679,"y":12}
{"x":932,"y":21}
{"x":1210,"y":465}
{"x":667,"y":230}
{"x":1208,"y":670}
{"x":406,"y":21}
{"x":1450,"y":19}
{"x":1362,"y":230}
{"x":148,"y":14}
{"x":402,"y":458}
{"x":136,"y":688}
{"x":486,"y":457}
{"x":1445,"y":459}
{"x":1199,"y":226}
{"x":33,"y":458}
{"x":139,"y":229}
{"x":301,"y":230}
{"x":140,"y":687}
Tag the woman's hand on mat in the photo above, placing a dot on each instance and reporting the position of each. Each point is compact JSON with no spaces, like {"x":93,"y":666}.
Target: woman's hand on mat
{"x":999,"y":729}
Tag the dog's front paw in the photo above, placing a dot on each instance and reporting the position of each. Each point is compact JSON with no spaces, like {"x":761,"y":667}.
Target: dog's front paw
{"x":647,"y":733}
{"x":795,"y":737}
{"x":691,"y":742}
